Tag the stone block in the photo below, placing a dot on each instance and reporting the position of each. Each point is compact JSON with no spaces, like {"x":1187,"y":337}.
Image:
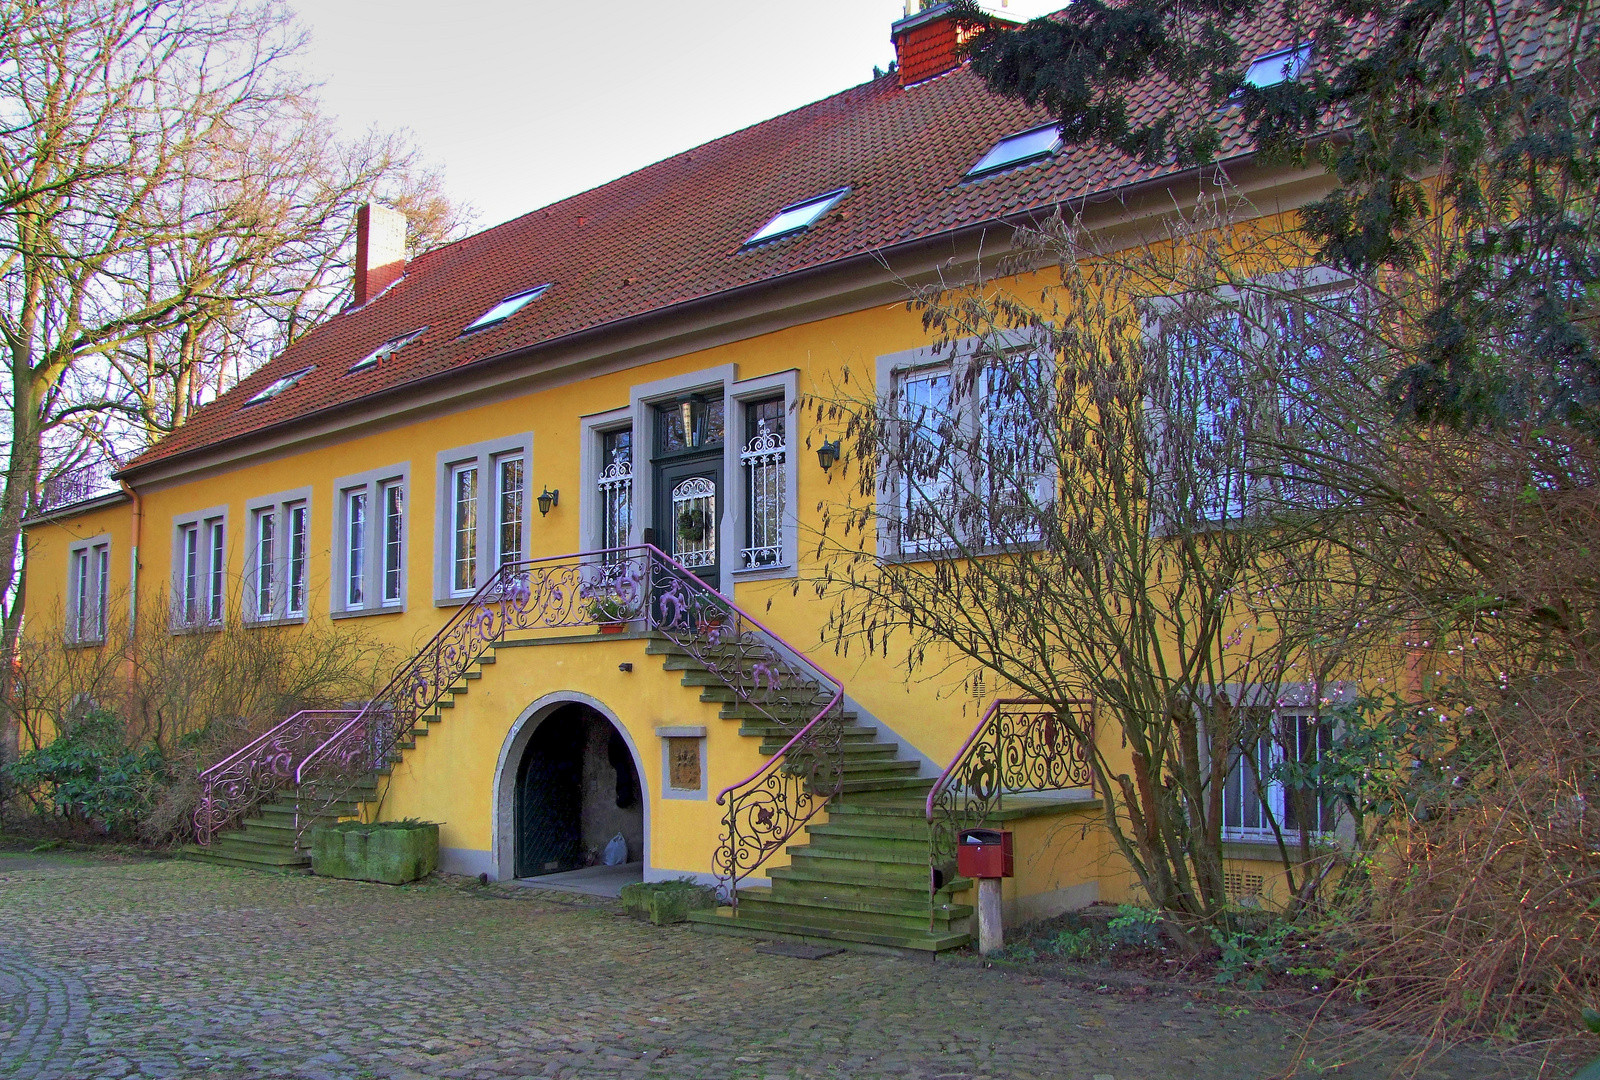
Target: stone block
{"x":666,"y":902}
{"x":389,"y":852}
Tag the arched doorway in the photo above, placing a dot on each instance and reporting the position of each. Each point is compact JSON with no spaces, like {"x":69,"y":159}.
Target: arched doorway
{"x":577,"y":786}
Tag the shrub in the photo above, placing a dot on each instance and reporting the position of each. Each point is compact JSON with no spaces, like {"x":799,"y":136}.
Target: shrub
{"x":1135,"y":927}
{"x":89,"y":777}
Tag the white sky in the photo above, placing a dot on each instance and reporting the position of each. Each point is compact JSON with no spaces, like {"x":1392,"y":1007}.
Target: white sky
{"x":528,"y":101}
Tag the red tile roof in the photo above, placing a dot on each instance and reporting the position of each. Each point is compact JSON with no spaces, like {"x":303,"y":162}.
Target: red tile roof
{"x":672,"y":232}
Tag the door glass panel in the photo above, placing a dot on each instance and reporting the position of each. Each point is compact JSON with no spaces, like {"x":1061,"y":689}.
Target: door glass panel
{"x":694,"y":516}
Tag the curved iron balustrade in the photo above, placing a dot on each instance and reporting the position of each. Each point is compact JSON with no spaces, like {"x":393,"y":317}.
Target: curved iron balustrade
{"x":232,"y":788}
{"x":1020,"y":745}
{"x":632,"y":584}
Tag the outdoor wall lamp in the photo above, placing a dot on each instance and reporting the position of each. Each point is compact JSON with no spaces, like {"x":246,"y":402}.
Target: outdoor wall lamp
{"x":827,"y":454}
{"x":547,"y":499}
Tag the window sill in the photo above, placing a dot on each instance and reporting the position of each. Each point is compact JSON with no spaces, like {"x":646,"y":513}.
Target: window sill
{"x":452,"y":601}
{"x":83,"y":643}
{"x":765,"y":573}
{"x":360,"y":613}
{"x":274,"y":620}
{"x":197,"y":628}
{"x":1263,"y":850}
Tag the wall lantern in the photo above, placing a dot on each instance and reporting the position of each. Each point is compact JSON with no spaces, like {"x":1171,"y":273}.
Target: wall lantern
{"x":827,"y":454}
{"x":547,"y":499}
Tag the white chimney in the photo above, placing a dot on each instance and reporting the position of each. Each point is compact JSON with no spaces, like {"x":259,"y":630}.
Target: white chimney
{"x":380,"y":250}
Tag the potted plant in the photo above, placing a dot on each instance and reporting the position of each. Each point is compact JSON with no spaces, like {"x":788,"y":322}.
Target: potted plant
{"x":611,"y":612}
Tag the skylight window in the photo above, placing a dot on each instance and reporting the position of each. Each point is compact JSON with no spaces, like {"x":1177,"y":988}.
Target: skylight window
{"x":505,"y":309}
{"x":1017,"y":149}
{"x":276,"y":387}
{"x":386,"y":350}
{"x":1282,"y":66}
{"x":792,"y":219}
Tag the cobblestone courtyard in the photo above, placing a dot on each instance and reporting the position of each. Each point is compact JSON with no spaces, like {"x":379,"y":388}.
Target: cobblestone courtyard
{"x":174,"y":969}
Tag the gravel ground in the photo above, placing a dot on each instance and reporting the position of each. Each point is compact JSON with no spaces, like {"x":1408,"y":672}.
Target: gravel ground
{"x":129,"y":968}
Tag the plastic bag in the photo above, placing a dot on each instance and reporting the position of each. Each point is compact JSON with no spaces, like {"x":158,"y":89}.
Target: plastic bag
{"x":616,"y":852}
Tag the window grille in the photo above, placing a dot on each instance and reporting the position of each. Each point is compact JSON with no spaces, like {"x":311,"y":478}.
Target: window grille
{"x":615,"y":486}
{"x":1256,"y":795}
{"x":694,"y":512}
{"x":763,"y":456}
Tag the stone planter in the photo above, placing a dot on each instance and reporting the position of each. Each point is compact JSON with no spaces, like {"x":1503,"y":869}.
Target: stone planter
{"x":393,"y":852}
{"x":664,"y":902}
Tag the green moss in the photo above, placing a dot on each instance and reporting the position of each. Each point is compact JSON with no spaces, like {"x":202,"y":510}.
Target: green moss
{"x":664,"y":902}
{"x":393,"y":852}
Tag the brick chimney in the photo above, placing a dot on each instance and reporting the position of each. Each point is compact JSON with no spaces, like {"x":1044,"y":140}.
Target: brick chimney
{"x":929,"y":42}
{"x":380,"y":250}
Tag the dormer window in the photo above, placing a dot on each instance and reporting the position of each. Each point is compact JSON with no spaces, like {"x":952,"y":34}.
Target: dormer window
{"x":276,"y":387}
{"x":386,"y":350}
{"x":1019,"y":149}
{"x":800,"y":215}
{"x":505,"y":309}
{"x":1282,"y":66}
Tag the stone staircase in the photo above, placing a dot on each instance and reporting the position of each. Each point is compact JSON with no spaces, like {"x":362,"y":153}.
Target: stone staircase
{"x":266,"y":841}
{"x":861,"y":879}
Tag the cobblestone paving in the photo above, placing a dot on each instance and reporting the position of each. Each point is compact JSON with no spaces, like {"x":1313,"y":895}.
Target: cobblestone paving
{"x":174,"y":969}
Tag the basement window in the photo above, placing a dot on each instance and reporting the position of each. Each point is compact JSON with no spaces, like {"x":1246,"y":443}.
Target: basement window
{"x":277,"y":386}
{"x":505,"y":309}
{"x":1019,"y":149}
{"x":386,"y":350}
{"x":1282,"y":66}
{"x":800,"y":215}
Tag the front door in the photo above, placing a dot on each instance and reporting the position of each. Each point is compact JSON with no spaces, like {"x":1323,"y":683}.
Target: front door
{"x":688,"y":508}
{"x":687,"y":458}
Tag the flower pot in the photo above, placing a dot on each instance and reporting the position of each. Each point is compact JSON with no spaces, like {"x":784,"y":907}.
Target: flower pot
{"x":613,"y":627}
{"x":391,"y":852}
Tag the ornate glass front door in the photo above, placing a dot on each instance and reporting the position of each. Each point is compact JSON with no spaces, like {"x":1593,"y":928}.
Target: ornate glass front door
{"x":688,"y":515}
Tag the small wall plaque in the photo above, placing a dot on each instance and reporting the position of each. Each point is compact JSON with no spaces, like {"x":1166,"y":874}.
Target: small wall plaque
{"x":684,"y":756}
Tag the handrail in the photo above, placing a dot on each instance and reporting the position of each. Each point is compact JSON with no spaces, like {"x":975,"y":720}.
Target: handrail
{"x":638,"y":581}
{"x":242,"y":780}
{"x":1016,"y":747}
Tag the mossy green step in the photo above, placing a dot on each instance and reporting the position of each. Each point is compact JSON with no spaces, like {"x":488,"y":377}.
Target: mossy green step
{"x":723,"y":920}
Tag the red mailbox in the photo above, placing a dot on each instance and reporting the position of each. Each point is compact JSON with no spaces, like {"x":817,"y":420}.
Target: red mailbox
{"x":983,"y":853}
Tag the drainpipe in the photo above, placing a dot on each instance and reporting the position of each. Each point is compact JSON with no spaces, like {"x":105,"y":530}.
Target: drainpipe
{"x":135,"y":527}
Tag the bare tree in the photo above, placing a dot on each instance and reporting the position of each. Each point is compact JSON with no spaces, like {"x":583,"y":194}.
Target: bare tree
{"x":173,"y":210}
{"x":1070,"y":494}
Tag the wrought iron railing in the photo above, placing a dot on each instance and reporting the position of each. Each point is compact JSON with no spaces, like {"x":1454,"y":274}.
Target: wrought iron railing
{"x":643,"y":585}
{"x":1021,"y":745}
{"x":232,"y":789}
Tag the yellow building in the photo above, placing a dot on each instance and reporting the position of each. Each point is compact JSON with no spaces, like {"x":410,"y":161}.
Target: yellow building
{"x":473,"y":457}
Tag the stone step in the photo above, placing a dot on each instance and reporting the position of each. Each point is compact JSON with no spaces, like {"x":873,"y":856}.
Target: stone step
{"x":830,"y":913}
{"x":790,"y":882}
{"x":918,"y":907}
{"x":886,"y":859}
{"x":893,"y":878}
{"x":862,"y":825}
{"x":230,"y":847}
{"x":905,"y":801}
{"x":203,"y":855}
{"x":819,"y":840}
{"x":865,"y":786}
{"x":742,"y":711}
{"x":724,"y":920}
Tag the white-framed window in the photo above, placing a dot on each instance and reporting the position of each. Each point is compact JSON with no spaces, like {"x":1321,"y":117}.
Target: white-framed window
{"x":1256,"y":797}
{"x":482,"y":514}
{"x":614,"y":487}
{"x":88,"y":590}
{"x":1235,"y":372}
{"x":199,"y":569}
{"x":971,"y":463}
{"x":369,"y":542}
{"x":275,"y":561}
{"x":510,"y":497}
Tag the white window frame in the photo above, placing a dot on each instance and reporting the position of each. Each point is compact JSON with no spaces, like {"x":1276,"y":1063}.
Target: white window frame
{"x":208,"y":609}
{"x":956,"y":360}
{"x":88,"y":590}
{"x":1312,"y":282}
{"x":1245,"y":801}
{"x":372,"y":486}
{"x":282,"y":505}
{"x":785,"y":385}
{"x":485,"y":457}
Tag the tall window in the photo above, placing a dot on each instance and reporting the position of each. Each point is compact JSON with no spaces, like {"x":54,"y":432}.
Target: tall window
{"x":927,"y":413}
{"x":369,"y":548}
{"x":199,"y":565}
{"x":355,"y":534}
{"x":266,"y":562}
{"x":1017,"y":456}
{"x":1257,"y":795}
{"x":464,"y":528}
{"x":394,"y":508}
{"x":89,"y":590}
{"x":508,"y":500}
{"x":616,"y":487}
{"x":763,"y":455}
{"x":296,"y":599}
